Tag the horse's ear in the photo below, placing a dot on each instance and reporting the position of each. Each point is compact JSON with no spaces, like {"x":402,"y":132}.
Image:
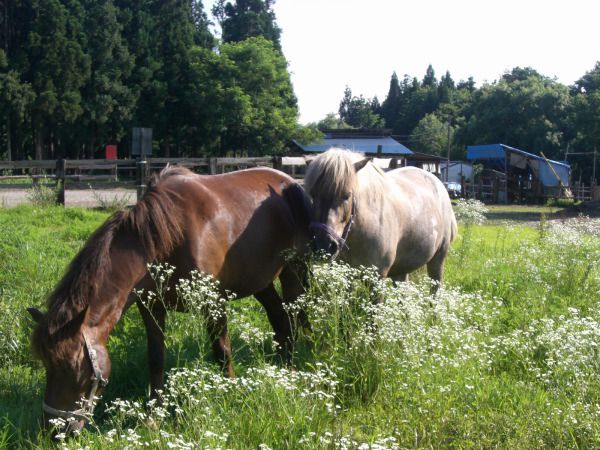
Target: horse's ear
{"x":360,"y":164}
{"x":71,"y":320}
{"x":78,"y":319}
{"x":37,"y":315}
{"x":307,"y":159}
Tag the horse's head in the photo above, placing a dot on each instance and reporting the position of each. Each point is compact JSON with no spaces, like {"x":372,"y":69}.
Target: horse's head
{"x":332,"y":183}
{"x":77,"y":368}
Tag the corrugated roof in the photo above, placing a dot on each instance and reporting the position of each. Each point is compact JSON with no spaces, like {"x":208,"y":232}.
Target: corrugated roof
{"x":497,"y":151}
{"x":388,"y":145}
{"x":496,"y":154}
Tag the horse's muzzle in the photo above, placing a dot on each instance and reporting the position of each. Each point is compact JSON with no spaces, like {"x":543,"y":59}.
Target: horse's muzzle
{"x":323,"y":243}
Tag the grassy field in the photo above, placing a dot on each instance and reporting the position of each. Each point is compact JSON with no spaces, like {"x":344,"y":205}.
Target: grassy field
{"x":506,"y":356}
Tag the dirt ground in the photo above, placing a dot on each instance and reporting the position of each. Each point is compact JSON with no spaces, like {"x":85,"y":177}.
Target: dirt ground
{"x":91,"y":198}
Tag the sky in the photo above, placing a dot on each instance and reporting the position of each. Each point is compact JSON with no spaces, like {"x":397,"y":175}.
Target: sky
{"x":331,"y":44}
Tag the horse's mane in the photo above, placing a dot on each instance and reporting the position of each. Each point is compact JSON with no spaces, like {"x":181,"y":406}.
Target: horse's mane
{"x":332,"y":173}
{"x":155,"y":222}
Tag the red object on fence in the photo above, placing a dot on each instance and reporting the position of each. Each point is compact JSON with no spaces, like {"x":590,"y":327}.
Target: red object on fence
{"x":111,"y":152}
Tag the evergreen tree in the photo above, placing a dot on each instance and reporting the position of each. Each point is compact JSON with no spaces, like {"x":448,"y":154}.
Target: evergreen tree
{"x":202,"y":35}
{"x":359,"y":112}
{"x":392,"y":105}
{"x":261,"y":107}
{"x":429,"y":80}
{"x":107,"y":99}
{"x":446,"y":88}
{"x":57,"y":69}
{"x":243,"y":19}
{"x":15,"y":99}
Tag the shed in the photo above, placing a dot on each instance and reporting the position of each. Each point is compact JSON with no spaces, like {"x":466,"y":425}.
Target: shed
{"x":457,"y":170}
{"x":524,"y":173}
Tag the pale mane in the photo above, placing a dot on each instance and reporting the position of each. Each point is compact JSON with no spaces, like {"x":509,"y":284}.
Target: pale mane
{"x":332,"y":174}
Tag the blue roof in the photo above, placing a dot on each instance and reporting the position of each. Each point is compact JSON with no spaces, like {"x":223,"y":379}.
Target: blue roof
{"x":496,"y":155}
{"x":498,"y":151}
{"x":388,"y":145}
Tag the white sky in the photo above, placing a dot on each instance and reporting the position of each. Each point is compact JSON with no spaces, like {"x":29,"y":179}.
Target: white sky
{"x":331,"y":44}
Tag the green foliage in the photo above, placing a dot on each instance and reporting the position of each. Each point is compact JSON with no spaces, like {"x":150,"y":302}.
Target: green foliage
{"x":332,"y":122}
{"x":523,"y":108}
{"x":243,"y":19}
{"x":359,"y":112}
{"x":84,"y":72}
{"x":261,"y":105}
{"x":431,"y":136}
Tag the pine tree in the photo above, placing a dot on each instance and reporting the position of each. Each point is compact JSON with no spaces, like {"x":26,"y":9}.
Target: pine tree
{"x":392,"y":105}
{"x":57,"y":68}
{"x":243,"y":19}
{"x":108,"y":101}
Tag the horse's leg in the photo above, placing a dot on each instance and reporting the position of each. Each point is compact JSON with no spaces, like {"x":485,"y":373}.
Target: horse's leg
{"x":221,"y":344}
{"x":154,"y":321}
{"x":435,"y":268}
{"x":279,"y":320}
{"x":294,"y":281}
{"x":401,"y":277}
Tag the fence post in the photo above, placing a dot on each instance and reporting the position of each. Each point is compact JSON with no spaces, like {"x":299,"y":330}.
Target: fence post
{"x":212,"y":166}
{"x":61,"y":171}
{"x":278,"y":163}
{"x":141,"y":173}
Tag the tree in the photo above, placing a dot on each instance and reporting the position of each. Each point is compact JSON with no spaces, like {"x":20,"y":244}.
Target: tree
{"x":429,"y":80}
{"x":431,"y":136}
{"x":523,"y":109}
{"x":244,"y":19}
{"x":332,"y":122}
{"x":260,"y":107}
{"x":359,"y":112}
{"x":446,"y":88}
{"x":57,"y":68}
{"x":202,"y":35}
{"x":391,"y":108}
{"x":15,"y":98}
{"x":108,"y":101}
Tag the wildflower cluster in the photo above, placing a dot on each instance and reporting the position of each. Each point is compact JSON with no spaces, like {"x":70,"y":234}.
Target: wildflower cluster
{"x":200,"y":294}
{"x":559,"y":352}
{"x":470,"y":211}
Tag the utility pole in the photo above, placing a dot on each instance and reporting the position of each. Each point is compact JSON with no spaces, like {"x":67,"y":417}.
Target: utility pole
{"x":448,"y":160}
{"x":593,"y":183}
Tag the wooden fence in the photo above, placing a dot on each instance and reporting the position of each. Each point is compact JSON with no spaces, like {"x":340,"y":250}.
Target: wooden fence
{"x":129,"y":172}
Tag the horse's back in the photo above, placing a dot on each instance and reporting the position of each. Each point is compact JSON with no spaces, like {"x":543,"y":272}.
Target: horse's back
{"x":239,"y":224}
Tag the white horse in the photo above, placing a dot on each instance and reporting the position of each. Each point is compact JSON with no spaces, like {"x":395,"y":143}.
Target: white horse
{"x":396,"y":221}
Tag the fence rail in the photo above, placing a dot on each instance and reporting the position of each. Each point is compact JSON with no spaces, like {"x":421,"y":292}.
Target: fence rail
{"x":125,"y":171}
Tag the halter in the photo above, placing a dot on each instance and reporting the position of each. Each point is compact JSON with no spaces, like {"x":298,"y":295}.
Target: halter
{"x":85,"y":412}
{"x":341,"y":240}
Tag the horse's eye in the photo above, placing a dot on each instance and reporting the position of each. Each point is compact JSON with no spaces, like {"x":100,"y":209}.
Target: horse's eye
{"x":346,"y":197}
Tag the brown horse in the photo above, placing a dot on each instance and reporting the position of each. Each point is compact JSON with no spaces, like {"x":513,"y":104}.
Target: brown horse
{"x":234,"y":227}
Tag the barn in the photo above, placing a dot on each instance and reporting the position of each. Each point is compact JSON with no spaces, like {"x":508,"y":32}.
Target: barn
{"x":386,"y":151}
{"x":516,"y":175}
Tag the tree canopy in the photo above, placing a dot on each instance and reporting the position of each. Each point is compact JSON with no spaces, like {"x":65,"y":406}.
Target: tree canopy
{"x":76,"y":75}
{"x":524,"y":109}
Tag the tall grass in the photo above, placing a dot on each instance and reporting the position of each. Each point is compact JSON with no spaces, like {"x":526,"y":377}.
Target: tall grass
{"x":506,"y":355}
